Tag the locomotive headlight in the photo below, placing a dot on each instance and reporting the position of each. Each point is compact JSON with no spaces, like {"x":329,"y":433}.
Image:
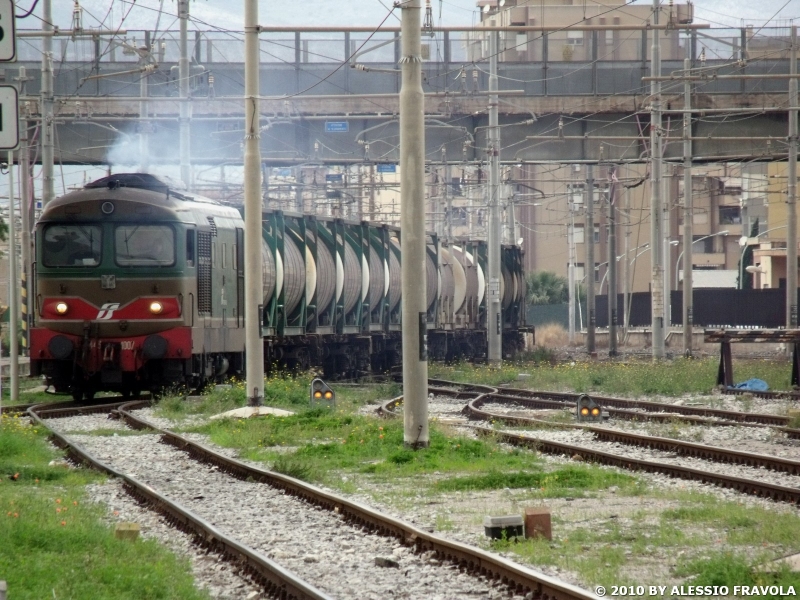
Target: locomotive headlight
{"x":61,"y":308}
{"x":156,"y":308}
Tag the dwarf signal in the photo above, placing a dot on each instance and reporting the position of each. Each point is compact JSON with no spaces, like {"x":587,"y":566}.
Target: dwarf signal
{"x":321,"y":393}
{"x":587,"y":409}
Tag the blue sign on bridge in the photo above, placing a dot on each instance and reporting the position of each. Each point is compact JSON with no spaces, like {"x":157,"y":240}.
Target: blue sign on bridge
{"x":387,"y":168}
{"x":337,"y":126}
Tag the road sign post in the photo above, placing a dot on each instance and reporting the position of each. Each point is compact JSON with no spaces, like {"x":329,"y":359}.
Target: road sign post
{"x":9,"y":117}
{"x":8,"y":32}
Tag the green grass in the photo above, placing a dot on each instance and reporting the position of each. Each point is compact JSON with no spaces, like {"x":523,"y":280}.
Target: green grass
{"x":320,"y":441}
{"x":669,"y":378}
{"x":570,"y":481}
{"x":729,"y":568}
{"x":280,"y":391}
{"x":746,"y":536}
{"x":54,"y":542}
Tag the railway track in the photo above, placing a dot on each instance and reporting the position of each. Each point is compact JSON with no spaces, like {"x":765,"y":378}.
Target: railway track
{"x":477,"y":397}
{"x":276,"y":579}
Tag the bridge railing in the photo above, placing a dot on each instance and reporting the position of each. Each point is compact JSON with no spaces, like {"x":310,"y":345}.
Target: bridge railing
{"x":553,"y":63}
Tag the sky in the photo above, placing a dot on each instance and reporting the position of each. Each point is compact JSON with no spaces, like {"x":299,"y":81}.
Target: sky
{"x":227,"y":14}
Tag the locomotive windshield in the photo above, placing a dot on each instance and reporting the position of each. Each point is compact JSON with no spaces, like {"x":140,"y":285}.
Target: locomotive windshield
{"x":72,"y":245}
{"x":144,"y":245}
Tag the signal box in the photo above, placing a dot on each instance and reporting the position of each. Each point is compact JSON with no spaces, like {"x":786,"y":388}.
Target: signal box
{"x":588,"y":410}
{"x":322,"y":394}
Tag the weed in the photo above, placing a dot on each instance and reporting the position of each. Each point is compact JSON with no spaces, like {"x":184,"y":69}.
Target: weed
{"x":293,"y":467}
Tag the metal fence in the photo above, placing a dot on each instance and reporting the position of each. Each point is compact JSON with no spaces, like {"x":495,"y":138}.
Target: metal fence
{"x":713,"y":307}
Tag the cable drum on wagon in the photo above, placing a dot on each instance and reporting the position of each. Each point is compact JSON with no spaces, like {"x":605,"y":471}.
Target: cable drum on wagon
{"x":431,"y":280}
{"x":326,"y":276}
{"x":471,"y":285}
{"x":350,"y":277}
{"x":394,"y":276}
{"x":268,"y":271}
{"x":507,"y":288}
{"x":377,"y":279}
{"x":294,"y":274}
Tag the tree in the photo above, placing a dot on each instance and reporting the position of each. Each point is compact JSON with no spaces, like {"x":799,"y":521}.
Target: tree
{"x":545,"y":287}
{"x":3,"y":230}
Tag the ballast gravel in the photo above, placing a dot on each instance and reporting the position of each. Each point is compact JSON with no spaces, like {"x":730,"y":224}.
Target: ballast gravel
{"x":318,"y":545}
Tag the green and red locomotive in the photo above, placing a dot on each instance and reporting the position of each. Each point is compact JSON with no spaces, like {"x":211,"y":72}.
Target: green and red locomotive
{"x":140,"y":285}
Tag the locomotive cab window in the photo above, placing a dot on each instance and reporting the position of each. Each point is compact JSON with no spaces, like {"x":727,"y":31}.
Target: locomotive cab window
{"x":71,"y":246}
{"x":190,"y":248}
{"x":144,"y":246}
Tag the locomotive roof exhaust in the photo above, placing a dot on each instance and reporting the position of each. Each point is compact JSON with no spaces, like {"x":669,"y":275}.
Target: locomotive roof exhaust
{"x":143,"y":181}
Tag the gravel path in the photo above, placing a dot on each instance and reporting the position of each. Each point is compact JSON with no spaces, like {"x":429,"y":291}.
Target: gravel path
{"x":317,"y":545}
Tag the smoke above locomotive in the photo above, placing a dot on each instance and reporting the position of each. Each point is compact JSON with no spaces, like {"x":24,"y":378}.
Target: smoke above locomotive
{"x":140,"y":286}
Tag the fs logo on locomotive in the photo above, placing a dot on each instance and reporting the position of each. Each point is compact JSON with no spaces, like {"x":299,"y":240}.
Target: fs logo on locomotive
{"x":107,"y":311}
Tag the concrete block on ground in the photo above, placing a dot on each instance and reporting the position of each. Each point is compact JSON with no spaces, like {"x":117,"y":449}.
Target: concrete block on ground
{"x":507,"y":527}
{"x":537,"y":522}
{"x":3,"y":590}
{"x":126,"y":531}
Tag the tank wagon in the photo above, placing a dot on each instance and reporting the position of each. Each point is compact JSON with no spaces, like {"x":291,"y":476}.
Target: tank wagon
{"x":140,"y":285}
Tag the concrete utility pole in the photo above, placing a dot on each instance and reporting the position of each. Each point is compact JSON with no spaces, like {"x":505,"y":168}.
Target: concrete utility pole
{"x":791,"y":196}
{"x":253,"y":283}
{"x":657,"y":284}
{"x":626,"y":266}
{"x":688,"y":214}
{"x":143,"y":114}
{"x":13,"y":284}
{"x":494,"y":322}
{"x":612,"y":262}
{"x":183,"y":74}
{"x":26,"y":207}
{"x":448,"y":202}
{"x":48,"y":126}
{"x":412,"y":221}
{"x":571,"y":269}
{"x":588,"y":241}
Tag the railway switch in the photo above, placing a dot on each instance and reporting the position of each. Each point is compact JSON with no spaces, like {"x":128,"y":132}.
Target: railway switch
{"x":321,"y":393}
{"x":587,"y":409}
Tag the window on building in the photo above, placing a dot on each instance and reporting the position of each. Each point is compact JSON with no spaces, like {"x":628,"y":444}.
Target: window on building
{"x":730,"y":215}
{"x":575,"y":38}
{"x":703,"y":245}
{"x":578,"y":234}
{"x":597,"y":234}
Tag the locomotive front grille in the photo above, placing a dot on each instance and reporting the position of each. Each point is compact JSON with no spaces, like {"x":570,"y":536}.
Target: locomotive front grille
{"x":203,"y":273}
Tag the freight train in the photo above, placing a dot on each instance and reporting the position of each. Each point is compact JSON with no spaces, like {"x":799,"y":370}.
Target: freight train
{"x":140,"y":285}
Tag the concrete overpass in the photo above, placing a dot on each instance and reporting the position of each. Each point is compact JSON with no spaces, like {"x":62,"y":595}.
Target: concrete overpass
{"x":318,"y":107}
